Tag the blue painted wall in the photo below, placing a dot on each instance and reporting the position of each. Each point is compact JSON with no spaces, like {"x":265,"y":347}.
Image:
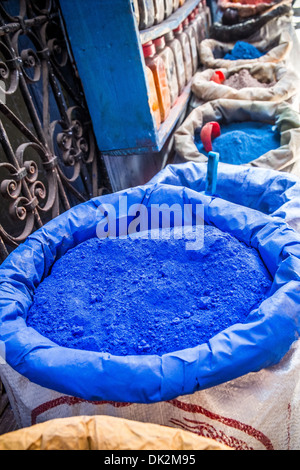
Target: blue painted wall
{"x":108,"y":55}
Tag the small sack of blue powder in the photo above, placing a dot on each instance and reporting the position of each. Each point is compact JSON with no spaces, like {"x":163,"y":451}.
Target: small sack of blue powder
{"x":243,"y":50}
{"x":242,"y":142}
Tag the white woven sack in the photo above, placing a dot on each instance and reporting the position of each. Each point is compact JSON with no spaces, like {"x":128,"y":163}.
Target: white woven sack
{"x":285,"y":158}
{"x":277,"y":50}
{"x":259,"y":411}
{"x":286,"y":84}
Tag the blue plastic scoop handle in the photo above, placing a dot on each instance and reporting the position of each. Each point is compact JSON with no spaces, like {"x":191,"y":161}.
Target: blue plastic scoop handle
{"x":212,"y":173}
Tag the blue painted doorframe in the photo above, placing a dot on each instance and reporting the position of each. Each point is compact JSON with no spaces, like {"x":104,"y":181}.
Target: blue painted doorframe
{"x":105,"y":42}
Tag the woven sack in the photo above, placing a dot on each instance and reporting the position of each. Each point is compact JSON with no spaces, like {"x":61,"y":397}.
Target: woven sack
{"x":270,"y":23}
{"x":104,"y":433}
{"x":277,"y":49}
{"x":284,"y":158}
{"x":248,"y":8}
{"x":259,"y":410}
{"x":285,"y":84}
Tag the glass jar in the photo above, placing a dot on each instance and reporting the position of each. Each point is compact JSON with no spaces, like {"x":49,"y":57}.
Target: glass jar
{"x":167,"y":55}
{"x":186,"y":49}
{"x":159,"y":9}
{"x":200,"y":25}
{"x":189,"y":29}
{"x":168,"y":8}
{"x":176,"y":47}
{"x":136,"y":11}
{"x":146,"y":13}
{"x":175,"y":5}
{"x":157,"y":66}
{"x":153,"y":98}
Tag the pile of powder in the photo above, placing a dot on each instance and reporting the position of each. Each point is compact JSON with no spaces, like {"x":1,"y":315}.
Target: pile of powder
{"x":243,"y":50}
{"x":243,"y":142}
{"x":145,"y":296}
{"x":244,"y":79}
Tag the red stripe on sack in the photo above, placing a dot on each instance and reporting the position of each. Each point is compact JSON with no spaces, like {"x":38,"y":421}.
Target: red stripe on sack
{"x":66,"y":400}
{"x":208,"y":431}
{"x":289,"y":425}
{"x":249,"y":430}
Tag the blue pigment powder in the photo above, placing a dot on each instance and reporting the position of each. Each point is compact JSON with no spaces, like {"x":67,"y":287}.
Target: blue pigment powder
{"x":146,"y":296}
{"x":242,"y":142}
{"x":243,"y":50}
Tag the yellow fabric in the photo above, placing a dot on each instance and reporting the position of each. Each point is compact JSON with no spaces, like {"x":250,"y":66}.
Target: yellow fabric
{"x":104,"y":433}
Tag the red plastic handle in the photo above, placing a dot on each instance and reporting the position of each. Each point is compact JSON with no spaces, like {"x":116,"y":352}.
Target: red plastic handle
{"x":209,"y":131}
{"x":218,"y":77}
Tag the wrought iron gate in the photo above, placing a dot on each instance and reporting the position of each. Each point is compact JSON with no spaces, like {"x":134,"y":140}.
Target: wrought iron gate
{"x":49,"y":159}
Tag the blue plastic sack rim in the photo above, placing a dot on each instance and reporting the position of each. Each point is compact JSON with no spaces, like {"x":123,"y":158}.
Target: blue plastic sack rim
{"x":236,"y":351}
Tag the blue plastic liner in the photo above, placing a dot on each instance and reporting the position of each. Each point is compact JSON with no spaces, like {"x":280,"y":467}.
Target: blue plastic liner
{"x":253,"y":206}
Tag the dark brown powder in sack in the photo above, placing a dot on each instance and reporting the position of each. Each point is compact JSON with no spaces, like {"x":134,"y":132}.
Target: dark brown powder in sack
{"x":244,"y":79}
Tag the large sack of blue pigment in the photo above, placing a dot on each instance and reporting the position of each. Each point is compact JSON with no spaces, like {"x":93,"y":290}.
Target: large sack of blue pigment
{"x":256,"y":133}
{"x":69,"y":346}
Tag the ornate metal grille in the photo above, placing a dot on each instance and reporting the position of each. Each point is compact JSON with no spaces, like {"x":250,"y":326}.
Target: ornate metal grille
{"x":49,"y":159}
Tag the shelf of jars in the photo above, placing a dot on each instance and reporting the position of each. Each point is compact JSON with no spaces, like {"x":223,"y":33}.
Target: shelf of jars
{"x":173,"y":21}
{"x":117,"y":62}
{"x":175,"y":40}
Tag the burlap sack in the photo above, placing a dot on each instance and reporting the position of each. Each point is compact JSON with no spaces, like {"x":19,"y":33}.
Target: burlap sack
{"x":259,"y":411}
{"x":285,"y":88}
{"x":285,"y":158}
{"x":277,"y":50}
{"x":245,"y":27}
{"x":248,"y":8}
{"x":104,"y":433}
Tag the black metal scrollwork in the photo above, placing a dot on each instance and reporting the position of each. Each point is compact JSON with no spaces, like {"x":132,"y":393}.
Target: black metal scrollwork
{"x":49,"y":159}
